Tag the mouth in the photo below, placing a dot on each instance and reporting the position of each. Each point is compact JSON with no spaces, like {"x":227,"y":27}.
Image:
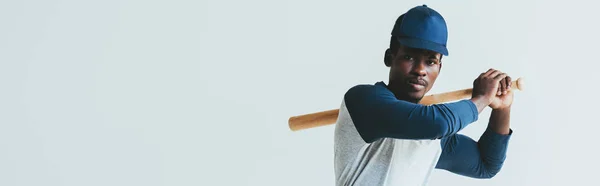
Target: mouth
{"x":417,"y":84}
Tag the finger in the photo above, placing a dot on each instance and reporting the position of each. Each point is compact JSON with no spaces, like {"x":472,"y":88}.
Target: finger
{"x":509,"y":81}
{"x":500,"y":76}
{"x":501,"y":87}
{"x":495,"y":73}
{"x":490,"y":71}
{"x":504,"y":86}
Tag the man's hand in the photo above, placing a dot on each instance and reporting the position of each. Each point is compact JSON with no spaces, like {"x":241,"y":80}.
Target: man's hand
{"x":487,"y":86}
{"x":504,"y":97}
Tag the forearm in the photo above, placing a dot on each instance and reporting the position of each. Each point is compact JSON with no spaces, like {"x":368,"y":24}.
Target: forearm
{"x":500,"y":121}
{"x":481,"y":159}
{"x":493,"y":144}
{"x":477,"y":159}
{"x":480,"y":103}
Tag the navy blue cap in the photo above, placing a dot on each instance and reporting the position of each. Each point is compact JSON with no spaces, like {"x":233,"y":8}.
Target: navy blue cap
{"x":424,"y":28}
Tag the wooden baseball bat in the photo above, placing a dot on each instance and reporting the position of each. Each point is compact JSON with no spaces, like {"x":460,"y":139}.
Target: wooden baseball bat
{"x":329,"y":117}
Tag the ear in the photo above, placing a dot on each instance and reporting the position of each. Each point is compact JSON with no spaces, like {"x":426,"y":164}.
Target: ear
{"x":387,"y":58}
{"x":441,"y":63}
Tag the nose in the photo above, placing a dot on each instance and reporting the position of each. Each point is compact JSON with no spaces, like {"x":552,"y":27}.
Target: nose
{"x":419,"y":68}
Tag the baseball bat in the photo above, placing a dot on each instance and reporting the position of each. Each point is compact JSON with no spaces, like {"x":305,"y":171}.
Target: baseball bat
{"x":329,"y":117}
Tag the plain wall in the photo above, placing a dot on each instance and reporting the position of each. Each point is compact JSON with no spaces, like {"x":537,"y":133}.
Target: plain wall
{"x":124,"y":92}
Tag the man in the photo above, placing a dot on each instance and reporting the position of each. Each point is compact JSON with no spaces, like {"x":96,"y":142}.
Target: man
{"x":384,"y":137}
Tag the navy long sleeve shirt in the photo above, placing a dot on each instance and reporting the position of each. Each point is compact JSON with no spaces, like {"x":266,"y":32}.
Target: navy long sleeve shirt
{"x":376,"y":114}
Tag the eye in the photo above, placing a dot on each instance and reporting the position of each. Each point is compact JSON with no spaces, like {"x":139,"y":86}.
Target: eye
{"x":407,"y":57}
{"x":432,"y":62}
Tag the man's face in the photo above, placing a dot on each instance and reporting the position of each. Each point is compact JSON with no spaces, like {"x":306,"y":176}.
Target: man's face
{"x":413,"y":72}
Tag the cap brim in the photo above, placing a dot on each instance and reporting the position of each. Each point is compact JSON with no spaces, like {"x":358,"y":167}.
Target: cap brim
{"x":422,"y":44}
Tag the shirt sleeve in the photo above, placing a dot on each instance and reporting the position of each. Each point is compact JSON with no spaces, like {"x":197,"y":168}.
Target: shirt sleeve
{"x":377,"y":113}
{"x":482,"y":159}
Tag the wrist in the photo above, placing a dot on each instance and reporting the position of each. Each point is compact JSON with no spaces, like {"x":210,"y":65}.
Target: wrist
{"x":502,"y":109}
{"x":480,"y":102}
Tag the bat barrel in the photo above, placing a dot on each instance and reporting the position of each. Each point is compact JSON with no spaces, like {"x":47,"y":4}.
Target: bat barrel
{"x":313,"y":120}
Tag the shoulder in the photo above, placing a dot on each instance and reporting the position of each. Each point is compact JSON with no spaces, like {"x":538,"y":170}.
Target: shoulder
{"x":364,"y":92}
{"x":359,"y":90}
{"x":366,"y":98}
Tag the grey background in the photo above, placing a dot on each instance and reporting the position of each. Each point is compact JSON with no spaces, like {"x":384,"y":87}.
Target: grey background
{"x":199,"y":92}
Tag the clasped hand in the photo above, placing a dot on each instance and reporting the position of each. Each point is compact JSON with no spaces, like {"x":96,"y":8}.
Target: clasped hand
{"x":495,"y":87}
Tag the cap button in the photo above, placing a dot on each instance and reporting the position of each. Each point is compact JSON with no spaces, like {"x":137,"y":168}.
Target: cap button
{"x":424,"y":5}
